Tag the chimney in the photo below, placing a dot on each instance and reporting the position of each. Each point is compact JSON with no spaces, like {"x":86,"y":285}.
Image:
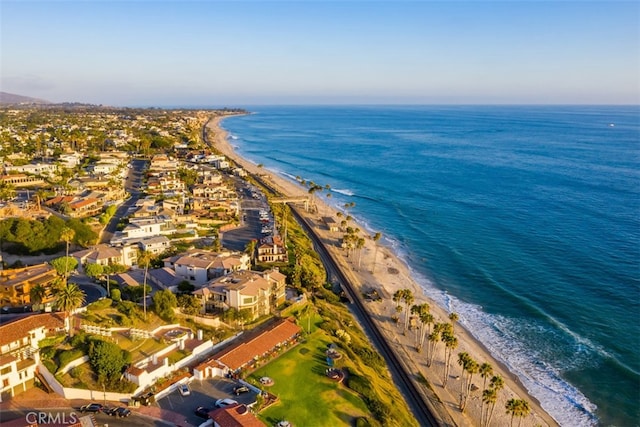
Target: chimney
{"x":155,"y":358}
{"x":199,"y":334}
{"x":182,"y":344}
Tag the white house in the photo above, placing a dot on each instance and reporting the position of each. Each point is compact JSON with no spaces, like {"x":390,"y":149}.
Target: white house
{"x":19,"y":351}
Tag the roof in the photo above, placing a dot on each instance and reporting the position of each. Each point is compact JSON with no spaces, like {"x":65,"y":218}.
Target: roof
{"x":18,"y":329}
{"x":242,"y":353}
{"x":82,"y":203}
{"x":40,"y":273}
{"x":98,"y":252}
{"x":235,"y":416}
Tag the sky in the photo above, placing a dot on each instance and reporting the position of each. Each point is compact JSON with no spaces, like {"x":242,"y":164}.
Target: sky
{"x":236,"y":53}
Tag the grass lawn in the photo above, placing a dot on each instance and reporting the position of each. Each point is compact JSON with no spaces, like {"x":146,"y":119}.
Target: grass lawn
{"x":307,"y":396}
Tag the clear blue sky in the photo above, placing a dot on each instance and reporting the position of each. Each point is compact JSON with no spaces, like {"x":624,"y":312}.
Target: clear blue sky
{"x":224,"y":53}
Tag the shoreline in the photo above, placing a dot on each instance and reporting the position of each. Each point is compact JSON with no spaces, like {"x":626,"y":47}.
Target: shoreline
{"x":391,"y":274}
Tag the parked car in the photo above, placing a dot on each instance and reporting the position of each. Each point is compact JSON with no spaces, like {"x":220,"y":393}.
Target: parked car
{"x":202,"y":412}
{"x":240,"y":389}
{"x":184,"y":390}
{"x":120,"y":412}
{"x":92,"y":407}
{"x":221,"y":403}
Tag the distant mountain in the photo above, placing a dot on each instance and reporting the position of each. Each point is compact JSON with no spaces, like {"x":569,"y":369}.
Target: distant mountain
{"x":11,"y":98}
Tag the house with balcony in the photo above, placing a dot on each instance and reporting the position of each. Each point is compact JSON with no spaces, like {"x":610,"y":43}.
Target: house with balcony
{"x":199,"y":267}
{"x":19,"y":351}
{"x":272,"y":249}
{"x":16,"y":284}
{"x":259,"y":292}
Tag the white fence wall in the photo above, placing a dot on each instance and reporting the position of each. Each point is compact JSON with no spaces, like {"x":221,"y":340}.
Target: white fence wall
{"x":73,"y":364}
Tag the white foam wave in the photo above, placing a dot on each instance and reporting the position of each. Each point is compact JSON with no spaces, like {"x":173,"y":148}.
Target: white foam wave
{"x":565,"y":403}
{"x":345,"y":192}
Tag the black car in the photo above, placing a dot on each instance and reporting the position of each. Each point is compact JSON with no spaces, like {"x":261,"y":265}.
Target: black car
{"x":120,"y":412}
{"x":92,"y":407}
{"x":202,"y":412}
{"x":240,"y":389}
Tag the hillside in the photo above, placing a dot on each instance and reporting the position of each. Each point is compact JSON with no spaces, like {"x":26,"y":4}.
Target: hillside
{"x":11,"y":98}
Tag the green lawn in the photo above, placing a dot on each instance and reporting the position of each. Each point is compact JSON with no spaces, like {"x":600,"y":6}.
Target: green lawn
{"x":307,"y":396}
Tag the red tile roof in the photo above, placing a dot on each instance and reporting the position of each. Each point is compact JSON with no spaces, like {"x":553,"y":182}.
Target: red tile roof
{"x":235,"y":416}
{"x":19,"y":329}
{"x":239,"y":355}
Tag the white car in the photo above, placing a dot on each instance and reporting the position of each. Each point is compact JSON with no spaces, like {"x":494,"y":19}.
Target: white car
{"x":221,"y":403}
{"x":184,"y":390}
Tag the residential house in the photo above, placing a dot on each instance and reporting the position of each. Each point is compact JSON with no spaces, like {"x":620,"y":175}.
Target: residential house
{"x":258,"y":292}
{"x":199,"y":267}
{"x":16,"y":284}
{"x":20,"y":353}
{"x":84,"y":207}
{"x":100,"y":254}
{"x":272,"y":249}
{"x":249,"y":348}
{"x":21,"y":180}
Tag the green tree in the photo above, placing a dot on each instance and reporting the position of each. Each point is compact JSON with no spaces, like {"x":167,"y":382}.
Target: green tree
{"x":64,"y":264}
{"x":67,"y":234}
{"x":489,"y":398}
{"x":68,"y":298}
{"x":116,"y":295}
{"x":37,"y":294}
{"x":376,"y":238}
{"x":163,"y":303}
{"x":94,"y":270}
{"x":186,"y":287}
{"x":486,"y":371}
{"x":407,"y":297}
{"x":108,"y":361}
{"x":189,"y":304}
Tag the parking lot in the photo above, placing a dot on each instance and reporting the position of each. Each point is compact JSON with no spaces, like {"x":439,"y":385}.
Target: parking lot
{"x":204,"y":393}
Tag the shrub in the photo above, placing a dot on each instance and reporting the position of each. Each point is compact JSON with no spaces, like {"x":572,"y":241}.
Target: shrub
{"x":362,"y":422}
{"x":48,"y":352}
{"x":50,"y":365}
{"x":51,"y":341}
{"x":359,"y":384}
{"x":116,"y":295}
{"x":101,"y":304}
{"x":370,"y":357}
{"x":68,"y":356}
{"x":76,"y":372}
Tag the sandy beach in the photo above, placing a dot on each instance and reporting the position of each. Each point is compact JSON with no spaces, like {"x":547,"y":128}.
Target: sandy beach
{"x":392,"y":274}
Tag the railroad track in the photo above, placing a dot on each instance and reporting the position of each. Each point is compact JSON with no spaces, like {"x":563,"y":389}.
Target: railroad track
{"x":401,"y":376}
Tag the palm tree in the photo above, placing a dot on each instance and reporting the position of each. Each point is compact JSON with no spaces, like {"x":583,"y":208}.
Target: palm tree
{"x":67,"y":234}
{"x":37,"y":294}
{"x":512,"y":407}
{"x":144,"y":259}
{"x":359,"y":245}
{"x":68,"y":298}
{"x":408,"y":298}
{"x":454,"y":318}
{"x":489,"y":398}
{"x":450,"y":342}
{"x":496,"y":382}
{"x":472,"y":368}
{"x":434,"y":338}
{"x":486,"y":370}
{"x":463,"y":360}
{"x":376,"y":238}
{"x":397,"y":297}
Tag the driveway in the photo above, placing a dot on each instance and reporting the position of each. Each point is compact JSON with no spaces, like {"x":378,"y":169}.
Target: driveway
{"x":203,"y":393}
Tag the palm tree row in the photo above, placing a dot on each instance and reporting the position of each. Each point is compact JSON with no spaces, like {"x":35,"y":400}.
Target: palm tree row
{"x":444,"y":332}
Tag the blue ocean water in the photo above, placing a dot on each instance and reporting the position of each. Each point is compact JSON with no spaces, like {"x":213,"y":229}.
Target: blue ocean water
{"x":525,"y":220}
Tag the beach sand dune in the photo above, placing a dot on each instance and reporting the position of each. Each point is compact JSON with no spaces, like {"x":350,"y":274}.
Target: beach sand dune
{"x":391,"y":274}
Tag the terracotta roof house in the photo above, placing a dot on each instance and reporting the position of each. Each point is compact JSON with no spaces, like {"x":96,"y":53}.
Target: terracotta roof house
{"x":250,"y":347}
{"x":19,"y":351}
{"x":234,"y":416}
{"x":272,"y":249}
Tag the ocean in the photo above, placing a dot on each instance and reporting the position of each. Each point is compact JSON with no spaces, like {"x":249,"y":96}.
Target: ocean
{"x":525,"y":220}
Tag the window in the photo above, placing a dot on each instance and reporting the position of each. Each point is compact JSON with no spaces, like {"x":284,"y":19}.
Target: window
{"x":5,"y":383}
{"x":5,"y":371}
